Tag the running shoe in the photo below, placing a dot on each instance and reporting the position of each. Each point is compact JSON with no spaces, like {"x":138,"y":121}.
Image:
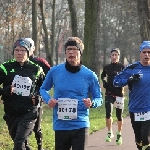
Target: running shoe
{"x":119,"y":138}
{"x":109,"y":136}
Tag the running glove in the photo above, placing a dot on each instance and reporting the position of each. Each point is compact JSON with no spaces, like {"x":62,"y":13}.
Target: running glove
{"x":134,"y":77}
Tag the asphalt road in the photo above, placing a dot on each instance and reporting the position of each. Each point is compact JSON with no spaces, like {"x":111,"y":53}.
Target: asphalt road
{"x":97,"y":139}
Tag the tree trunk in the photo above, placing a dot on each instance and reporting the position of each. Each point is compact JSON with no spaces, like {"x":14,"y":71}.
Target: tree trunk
{"x":143,"y":7}
{"x":73,"y":16}
{"x":91,"y":57}
{"x":46,"y":40}
{"x":53,"y":53}
{"x":34,"y":25}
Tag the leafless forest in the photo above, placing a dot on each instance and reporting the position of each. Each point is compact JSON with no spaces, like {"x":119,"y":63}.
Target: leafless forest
{"x":101,"y":24}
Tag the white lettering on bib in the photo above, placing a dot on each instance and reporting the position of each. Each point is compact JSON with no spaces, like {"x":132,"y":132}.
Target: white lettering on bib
{"x":142,"y":116}
{"x":119,"y":103}
{"x":67,"y":108}
{"x":22,"y":85}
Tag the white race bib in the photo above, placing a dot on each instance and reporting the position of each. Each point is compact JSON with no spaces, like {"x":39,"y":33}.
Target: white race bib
{"x":22,"y":85}
{"x":67,"y":108}
{"x":119,"y":103}
{"x":142,"y":116}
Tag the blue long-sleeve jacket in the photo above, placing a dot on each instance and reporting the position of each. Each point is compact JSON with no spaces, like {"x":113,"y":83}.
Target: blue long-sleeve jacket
{"x":75,"y":86}
{"x":139,"y":94}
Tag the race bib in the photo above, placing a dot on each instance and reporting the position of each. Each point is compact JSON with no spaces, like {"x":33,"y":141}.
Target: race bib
{"x":142,"y":116}
{"x":22,"y":85}
{"x":67,"y":108}
{"x":119,"y":103}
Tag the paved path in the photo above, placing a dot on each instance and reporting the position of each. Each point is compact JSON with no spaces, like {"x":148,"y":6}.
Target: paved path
{"x":97,"y":139}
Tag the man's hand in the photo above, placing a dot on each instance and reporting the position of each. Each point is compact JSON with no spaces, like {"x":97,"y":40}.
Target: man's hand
{"x":52,"y":103}
{"x":133,"y":78}
{"x":87,"y":102}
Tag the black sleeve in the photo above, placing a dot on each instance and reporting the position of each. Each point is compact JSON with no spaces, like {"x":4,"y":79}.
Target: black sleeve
{"x":1,"y":91}
{"x":35,"y":89}
{"x":2,"y":76}
{"x":41,"y":79}
{"x":103,"y":75}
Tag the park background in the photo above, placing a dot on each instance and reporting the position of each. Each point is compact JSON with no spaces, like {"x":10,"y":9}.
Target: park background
{"x":101,"y":24}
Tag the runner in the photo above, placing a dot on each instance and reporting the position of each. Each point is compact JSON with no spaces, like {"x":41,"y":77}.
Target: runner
{"x":112,"y":95}
{"x":73,"y":83}
{"x":137,"y":77}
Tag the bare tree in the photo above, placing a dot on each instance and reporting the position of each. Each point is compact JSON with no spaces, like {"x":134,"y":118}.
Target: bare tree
{"x":34,"y":25}
{"x":46,"y":39}
{"x":119,"y":28}
{"x":92,"y":35}
{"x":73,"y":16}
{"x":144,"y":18}
{"x":53,"y":29}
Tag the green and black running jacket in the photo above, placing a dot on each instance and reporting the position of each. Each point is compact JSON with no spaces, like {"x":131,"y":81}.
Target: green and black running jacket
{"x":17,"y":104}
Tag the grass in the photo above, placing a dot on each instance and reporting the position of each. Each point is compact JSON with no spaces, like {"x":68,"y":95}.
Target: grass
{"x":97,"y":120}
